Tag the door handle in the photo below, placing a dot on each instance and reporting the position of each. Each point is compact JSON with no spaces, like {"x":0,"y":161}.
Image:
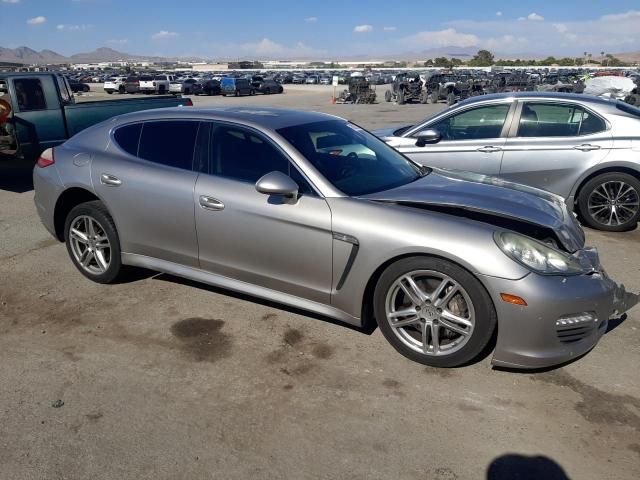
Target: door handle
{"x":110,"y":180}
{"x":587,"y":147}
{"x":211,"y":203}
{"x":489,"y":149}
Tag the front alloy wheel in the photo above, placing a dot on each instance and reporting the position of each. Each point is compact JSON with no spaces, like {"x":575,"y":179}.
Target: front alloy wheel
{"x":430,"y":312}
{"x":434,"y":312}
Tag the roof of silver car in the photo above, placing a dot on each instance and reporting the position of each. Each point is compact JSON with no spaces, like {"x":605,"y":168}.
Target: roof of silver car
{"x":266,"y":117}
{"x":576,"y":97}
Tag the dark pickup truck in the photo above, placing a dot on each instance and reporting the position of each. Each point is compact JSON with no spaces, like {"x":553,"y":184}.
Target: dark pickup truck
{"x":38,"y":111}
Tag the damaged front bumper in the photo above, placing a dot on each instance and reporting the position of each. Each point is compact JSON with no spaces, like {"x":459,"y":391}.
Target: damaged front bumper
{"x":565,"y":317}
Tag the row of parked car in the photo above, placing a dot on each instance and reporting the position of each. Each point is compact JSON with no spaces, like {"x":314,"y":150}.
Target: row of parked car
{"x":164,"y":84}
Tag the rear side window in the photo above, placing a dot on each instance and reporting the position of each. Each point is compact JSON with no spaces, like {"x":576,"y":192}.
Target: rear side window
{"x":169,"y":143}
{"x":557,"y":120}
{"x":29,"y":94}
{"x":128,"y":137}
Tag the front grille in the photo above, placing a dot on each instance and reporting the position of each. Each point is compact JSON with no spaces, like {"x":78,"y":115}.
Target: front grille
{"x":570,"y":334}
{"x":573,"y":328}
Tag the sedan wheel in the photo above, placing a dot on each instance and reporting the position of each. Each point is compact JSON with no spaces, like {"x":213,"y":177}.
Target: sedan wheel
{"x":92,"y":242}
{"x":430,"y":312}
{"x":434,"y":312}
{"x":611,"y":202}
{"x":90,"y":245}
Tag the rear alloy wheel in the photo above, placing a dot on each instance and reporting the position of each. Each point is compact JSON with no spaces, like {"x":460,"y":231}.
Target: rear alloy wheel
{"x":434,"y":312}
{"x":92,"y":242}
{"x":611,"y":202}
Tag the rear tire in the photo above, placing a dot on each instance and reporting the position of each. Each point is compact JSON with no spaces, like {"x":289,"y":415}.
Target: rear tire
{"x":458,"y":313}
{"x":595,"y":202}
{"x":400,"y":100}
{"x":451,"y":99}
{"x":93,"y":244}
{"x":387,"y":96}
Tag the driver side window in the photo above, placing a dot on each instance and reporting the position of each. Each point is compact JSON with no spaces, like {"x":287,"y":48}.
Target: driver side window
{"x":243,"y":155}
{"x":474,"y":124}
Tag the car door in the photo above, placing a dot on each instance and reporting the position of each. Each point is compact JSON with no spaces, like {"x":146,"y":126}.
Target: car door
{"x":472,"y":138}
{"x":552,"y":143}
{"x":37,"y":117}
{"x":146,"y":180}
{"x":260,"y":239}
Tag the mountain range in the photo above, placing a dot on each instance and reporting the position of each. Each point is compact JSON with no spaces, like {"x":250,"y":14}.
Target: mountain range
{"x":26,"y":55}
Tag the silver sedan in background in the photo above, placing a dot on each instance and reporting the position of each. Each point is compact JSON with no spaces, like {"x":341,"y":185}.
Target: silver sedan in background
{"x":583,"y":148}
{"x":312,"y":211}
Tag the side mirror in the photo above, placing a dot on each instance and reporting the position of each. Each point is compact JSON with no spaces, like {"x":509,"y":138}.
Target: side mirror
{"x":277,"y":183}
{"x":429,"y":135}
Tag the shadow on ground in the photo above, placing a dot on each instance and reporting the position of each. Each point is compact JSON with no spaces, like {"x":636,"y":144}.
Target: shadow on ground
{"x":15,"y":175}
{"x":512,"y":466}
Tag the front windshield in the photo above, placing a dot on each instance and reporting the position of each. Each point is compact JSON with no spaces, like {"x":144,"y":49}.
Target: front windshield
{"x":353,"y":160}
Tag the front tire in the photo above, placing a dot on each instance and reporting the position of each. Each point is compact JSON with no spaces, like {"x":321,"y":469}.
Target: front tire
{"x":434,"y":312}
{"x":92,"y":242}
{"x":610,"y":202}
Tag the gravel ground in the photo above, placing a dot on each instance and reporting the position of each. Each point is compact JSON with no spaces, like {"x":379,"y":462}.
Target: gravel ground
{"x":162,"y":378}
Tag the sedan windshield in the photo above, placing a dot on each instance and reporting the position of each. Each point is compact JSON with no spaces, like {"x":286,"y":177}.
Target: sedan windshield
{"x":353,"y":160}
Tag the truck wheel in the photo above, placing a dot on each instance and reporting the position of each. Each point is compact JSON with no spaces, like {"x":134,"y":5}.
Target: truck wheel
{"x":387,"y":96}
{"x":610,"y":202}
{"x":400,"y":97}
{"x":121,"y":89}
{"x":424,"y":97}
{"x":434,"y":312}
{"x":451,"y":98}
{"x":109,"y":92}
{"x":434,"y":97}
{"x":252,"y":92}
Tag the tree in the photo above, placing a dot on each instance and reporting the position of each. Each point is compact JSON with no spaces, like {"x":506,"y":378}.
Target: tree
{"x":428,"y":63}
{"x":442,"y":62}
{"x":484,"y":58}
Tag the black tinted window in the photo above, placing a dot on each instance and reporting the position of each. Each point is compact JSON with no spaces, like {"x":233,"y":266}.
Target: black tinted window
{"x":127,"y":138}
{"x":243,"y":155}
{"x":169,"y":143}
{"x":29,"y":94}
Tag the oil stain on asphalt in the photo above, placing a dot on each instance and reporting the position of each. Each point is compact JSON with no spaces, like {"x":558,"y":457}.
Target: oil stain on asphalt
{"x":596,"y":405}
{"x":202,"y":338}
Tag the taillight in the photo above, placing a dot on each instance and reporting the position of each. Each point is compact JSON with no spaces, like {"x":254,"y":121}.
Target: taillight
{"x":188,"y":103}
{"x":46,"y":158}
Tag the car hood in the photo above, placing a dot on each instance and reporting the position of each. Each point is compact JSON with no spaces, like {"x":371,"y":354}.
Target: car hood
{"x":490,"y":195}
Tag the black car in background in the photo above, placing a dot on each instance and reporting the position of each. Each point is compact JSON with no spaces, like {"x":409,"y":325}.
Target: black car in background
{"x":267,"y":86}
{"x":77,"y":86}
{"x":236,"y":86}
{"x":132,"y":84}
{"x":208,"y":87}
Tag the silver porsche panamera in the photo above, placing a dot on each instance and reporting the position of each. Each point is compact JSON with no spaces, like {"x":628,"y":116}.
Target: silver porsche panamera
{"x":311,"y":211}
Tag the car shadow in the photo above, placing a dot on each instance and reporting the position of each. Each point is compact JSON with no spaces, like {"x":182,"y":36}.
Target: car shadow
{"x":513,"y":466}
{"x":16,"y":175}
{"x":367,"y":330}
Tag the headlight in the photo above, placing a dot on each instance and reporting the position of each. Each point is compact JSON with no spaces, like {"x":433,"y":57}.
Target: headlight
{"x":537,"y":256}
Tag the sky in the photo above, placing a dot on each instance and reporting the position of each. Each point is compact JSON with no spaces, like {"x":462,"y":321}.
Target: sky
{"x":323,"y":29}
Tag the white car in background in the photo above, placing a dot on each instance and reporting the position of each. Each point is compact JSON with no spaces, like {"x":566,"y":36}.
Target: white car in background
{"x":115,"y":84}
{"x":156,"y":83}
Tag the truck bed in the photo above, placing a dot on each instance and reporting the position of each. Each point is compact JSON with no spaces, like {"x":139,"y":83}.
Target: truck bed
{"x":82,"y":115}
